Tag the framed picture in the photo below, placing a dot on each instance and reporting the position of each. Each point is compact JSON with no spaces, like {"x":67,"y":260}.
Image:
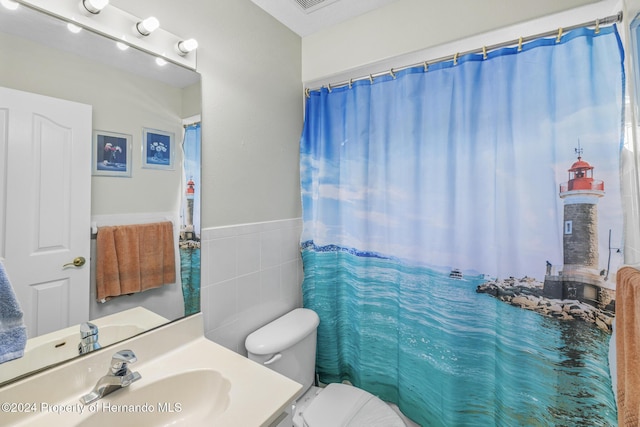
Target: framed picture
{"x":157,"y":149}
{"x":111,"y":154}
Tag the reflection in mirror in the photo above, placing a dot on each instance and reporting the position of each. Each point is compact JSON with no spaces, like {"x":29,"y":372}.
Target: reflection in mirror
{"x":125,"y":93}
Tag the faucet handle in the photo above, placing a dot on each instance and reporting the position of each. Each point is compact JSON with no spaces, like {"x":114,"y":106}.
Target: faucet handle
{"x":87,"y":329}
{"x":120,"y":362}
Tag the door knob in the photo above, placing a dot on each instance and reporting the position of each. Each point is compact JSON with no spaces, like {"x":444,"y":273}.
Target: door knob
{"x":77,"y":262}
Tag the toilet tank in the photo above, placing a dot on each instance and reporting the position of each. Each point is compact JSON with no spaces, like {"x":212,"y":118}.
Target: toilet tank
{"x":288,"y":346}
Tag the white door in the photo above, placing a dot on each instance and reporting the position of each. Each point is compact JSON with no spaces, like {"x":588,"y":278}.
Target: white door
{"x":45,"y":194}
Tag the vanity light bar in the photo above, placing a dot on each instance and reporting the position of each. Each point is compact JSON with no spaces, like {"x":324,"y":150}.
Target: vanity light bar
{"x":98,"y":16}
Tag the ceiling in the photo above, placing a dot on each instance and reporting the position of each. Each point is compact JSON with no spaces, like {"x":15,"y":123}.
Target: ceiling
{"x":306,"y":17}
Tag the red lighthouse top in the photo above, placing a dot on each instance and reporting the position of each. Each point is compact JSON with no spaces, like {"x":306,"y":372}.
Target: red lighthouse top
{"x":581,"y":177}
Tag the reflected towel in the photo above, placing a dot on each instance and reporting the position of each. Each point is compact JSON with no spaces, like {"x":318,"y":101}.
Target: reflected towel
{"x":13,"y":333}
{"x":134,"y":258}
{"x":628,"y":345}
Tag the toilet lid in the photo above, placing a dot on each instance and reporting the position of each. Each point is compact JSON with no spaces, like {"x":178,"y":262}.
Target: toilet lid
{"x":341,"y":405}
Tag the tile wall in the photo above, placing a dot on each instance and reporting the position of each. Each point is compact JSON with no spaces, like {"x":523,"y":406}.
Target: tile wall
{"x":251,"y":274}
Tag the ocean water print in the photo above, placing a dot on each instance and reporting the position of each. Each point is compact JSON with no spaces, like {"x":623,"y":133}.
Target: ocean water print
{"x":470,"y":359}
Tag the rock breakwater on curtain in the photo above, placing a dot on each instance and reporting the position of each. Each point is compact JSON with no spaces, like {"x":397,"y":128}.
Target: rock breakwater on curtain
{"x":527,"y":293}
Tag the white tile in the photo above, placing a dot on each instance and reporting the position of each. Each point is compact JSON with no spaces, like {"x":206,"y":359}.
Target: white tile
{"x":205,"y":264}
{"x":223,"y":303}
{"x":270,"y":285}
{"x":222,"y":259}
{"x":248,"y":288}
{"x":222,"y":232}
{"x":289,"y":277}
{"x":270,"y":248}
{"x":228,"y":337}
{"x":251,"y":275}
{"x":204,"y":308}
{"x":290,"y":244}
{"x":249,"y":228}
{"x":248,"y":253}
{"x":272,"y":225}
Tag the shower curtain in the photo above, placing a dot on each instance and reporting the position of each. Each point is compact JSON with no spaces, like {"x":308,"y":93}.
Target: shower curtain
{"x":459,"y":219}
{"x":190,"y":214}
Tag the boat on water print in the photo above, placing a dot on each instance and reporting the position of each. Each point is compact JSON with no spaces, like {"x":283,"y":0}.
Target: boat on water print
{"x":456,"y":274}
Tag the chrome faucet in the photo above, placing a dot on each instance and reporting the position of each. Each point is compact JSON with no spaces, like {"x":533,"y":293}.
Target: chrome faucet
{"x":88,"y":338}
{"x":118,"y":376}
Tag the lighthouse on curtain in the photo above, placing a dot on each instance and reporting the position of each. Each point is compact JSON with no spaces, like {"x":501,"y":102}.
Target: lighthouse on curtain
{"x":580,"y":238}
{"x":190,"y":194}
{"x":580,"y":277}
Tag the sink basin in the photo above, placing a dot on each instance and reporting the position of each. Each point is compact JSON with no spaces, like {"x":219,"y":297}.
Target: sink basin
{"x":187,"y":380}
{"x":190,"y":398}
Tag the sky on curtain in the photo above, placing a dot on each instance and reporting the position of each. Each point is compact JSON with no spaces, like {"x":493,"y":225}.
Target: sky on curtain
{"x":474,"y":172}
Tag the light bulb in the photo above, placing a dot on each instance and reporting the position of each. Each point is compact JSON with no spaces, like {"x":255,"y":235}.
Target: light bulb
{"x":147,"y":26}
{"x":73,"y":28}
{"x":95,"y":6}
{"x":161,"y":61}
{"x":187,"y":46}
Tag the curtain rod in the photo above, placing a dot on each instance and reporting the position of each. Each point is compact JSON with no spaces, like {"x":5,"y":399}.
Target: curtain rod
{"x":612,"y":19}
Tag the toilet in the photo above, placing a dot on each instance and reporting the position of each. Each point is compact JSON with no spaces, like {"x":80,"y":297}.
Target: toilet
{"x":288,"y":346}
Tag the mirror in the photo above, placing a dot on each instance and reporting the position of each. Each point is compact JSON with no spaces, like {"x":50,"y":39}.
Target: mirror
{"x":130,"y":95}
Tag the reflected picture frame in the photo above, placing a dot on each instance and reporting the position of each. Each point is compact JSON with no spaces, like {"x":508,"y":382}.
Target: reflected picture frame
{"x":158,"y":149}
{"x":111,"y":154}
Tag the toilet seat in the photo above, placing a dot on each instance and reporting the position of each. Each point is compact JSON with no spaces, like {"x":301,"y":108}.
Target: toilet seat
{"x":342,"y":405}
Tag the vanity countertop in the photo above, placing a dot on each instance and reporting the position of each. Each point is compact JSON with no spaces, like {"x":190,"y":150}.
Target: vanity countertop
{"x":249,"y":394}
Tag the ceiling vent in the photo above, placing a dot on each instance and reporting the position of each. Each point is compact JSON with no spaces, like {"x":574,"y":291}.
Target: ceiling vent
{"x":309,"y":6}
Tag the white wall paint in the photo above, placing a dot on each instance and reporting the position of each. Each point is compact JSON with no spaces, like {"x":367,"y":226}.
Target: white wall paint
{"x":407,"y":26}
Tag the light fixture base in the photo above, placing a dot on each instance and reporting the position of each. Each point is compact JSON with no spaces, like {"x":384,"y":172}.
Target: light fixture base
{"x":140,"y":28}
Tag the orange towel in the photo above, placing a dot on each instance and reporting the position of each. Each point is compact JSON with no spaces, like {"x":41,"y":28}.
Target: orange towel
{"x":628,"y":345}
{"x":134,"y":258}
